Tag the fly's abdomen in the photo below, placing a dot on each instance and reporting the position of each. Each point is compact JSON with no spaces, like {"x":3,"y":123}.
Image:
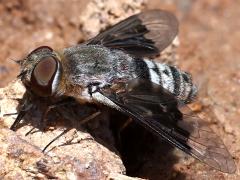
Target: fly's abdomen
{"x":169,"y":77}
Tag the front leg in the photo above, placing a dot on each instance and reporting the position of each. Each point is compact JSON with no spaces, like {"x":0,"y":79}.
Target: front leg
{"x":42,"y":123}
{"x":46,"y":110}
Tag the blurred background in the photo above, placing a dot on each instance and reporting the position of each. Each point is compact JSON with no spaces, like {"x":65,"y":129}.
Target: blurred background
{"x":209,"y":49}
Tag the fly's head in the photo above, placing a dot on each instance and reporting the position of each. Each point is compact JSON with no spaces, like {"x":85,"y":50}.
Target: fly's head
{"x":41,"y":72}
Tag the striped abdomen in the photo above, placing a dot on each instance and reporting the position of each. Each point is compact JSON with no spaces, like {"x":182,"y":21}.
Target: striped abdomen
{"x":172,"y":79}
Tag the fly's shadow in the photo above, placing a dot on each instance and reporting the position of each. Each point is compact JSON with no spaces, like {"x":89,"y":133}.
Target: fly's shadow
{"x":144,"y":154}
{"x":138,"y":148}
{"x":47,"y":114}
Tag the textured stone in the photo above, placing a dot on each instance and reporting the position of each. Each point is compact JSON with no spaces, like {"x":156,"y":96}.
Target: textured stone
{"x":22,"y":157}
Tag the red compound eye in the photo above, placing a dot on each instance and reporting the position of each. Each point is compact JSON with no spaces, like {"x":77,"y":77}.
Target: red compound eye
{"x":44,"y":71}
{"x":43,"y":76}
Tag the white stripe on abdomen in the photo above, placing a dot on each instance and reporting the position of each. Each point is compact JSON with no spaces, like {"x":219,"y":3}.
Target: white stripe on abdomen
{"x":164,"y":79}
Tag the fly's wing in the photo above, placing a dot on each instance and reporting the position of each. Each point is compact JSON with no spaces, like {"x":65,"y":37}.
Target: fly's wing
{"x":142,"y":35}
{"x":157,"y":110}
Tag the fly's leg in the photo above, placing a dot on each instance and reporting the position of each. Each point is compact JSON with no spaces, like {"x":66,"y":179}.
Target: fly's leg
{"x":29,"y":132}
{"x":120,"y":131}
{"x":54,"y":139}
{"x":25,"y":108}
{"x":125,"y":124}
{"x":21,"y":114}
{"x":92,"y":116}
{"x":10,"y":114}
{"x":85,"y":120}
{"x":42,"y":122}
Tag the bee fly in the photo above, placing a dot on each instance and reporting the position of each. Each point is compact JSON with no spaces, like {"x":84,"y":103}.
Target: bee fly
{"x":114,"y":68}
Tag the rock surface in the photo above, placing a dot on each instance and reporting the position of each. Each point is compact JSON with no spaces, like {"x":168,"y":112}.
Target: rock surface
{"x":209,"y":50}
{"x":22,"y":157}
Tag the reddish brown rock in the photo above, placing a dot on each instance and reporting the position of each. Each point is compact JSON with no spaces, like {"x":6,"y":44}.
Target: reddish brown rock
{"x":22,"y":157}
{"x":209,"y":49}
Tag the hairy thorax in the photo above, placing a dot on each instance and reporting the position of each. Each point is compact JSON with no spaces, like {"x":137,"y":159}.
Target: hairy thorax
{"x":87,"y":64}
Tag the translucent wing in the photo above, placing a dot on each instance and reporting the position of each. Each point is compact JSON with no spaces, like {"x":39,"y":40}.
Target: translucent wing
{"x":143,"y":34}
{"x":158,"y":111}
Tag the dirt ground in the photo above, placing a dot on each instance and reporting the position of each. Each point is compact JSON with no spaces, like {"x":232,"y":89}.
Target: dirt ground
{"x":209,"y":49}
